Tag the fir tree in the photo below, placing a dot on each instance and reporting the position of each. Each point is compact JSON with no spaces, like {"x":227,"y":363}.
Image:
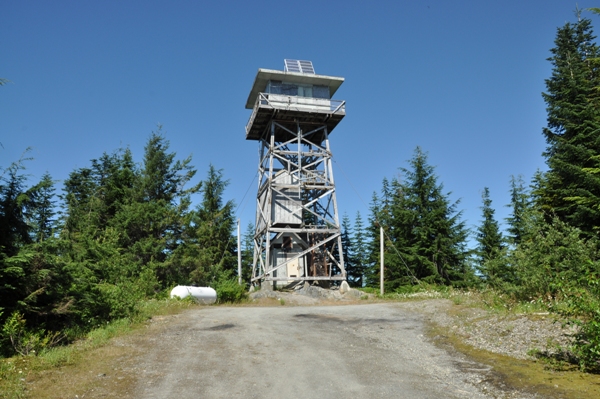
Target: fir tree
{"x":14,"y":230}
{"x":41,"y":211}
{"x":212,"y":229}
{"x":247,"y":253}
{"x":572,"y":99}
{"x":348,"y":251}
{"x":519,"y":204}
{"x":488,"y":234}
{"x":359,"y":250}
{"x":373,"y":249}
{"x":428,"y":234}
{"x":489,"y":239}
{"x":154,"y":223}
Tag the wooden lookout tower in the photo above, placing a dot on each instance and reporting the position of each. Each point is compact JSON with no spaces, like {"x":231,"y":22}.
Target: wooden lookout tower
{"x":298,"y":235}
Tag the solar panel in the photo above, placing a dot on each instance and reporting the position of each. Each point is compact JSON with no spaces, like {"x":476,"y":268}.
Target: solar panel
{"x":306,"y":67}
{"x":299,"y":66}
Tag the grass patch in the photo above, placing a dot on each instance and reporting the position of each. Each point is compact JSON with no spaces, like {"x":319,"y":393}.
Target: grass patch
{"x":65,"y":370}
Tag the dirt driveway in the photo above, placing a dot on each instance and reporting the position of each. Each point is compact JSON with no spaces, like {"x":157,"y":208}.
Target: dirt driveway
{"x":354,"y":351}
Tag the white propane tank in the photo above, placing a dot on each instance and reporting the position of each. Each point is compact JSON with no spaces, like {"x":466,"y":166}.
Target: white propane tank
{"x":205,"y":295}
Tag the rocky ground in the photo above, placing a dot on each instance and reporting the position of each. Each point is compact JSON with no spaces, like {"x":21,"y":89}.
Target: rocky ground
{"x":519,"y":336}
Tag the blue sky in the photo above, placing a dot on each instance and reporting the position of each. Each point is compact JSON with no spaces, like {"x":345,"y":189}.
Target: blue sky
{"x":461,"y":79}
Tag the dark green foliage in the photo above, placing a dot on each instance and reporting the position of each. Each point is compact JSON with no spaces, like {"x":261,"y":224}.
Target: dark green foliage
{"x":247,"y":253}
{"x":34,"y":282}
{"x":558,"y":267}
{"x":427,"y":240}
{"x":208,"y":247}
{"x":127,"y":232}
{"x":347,"y":251}
{"x":488,"y":234}
{"x":359,"y":251}
{"x":14,"y":230}
{"x":163,"y":178}
{"x":555,"y":255}
{"x":581,"y":307}
{"x":214,"y":224}
{"x":228,"y":290}
{"x":519,"y":204}
{"x":572,"y":98}
{"x":557,"y":259}
{"x":40,"y":210}
{"x":490,"y":244}
{"x":377,"y":215}
{"x":427,"y":224}
{"x":355,"y":251}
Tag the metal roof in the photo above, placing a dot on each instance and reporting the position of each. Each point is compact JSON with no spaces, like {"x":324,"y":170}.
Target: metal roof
{"x":264,"y":75}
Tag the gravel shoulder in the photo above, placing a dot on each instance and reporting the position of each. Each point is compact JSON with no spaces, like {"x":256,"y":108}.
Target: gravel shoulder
{"x":514,"y":335}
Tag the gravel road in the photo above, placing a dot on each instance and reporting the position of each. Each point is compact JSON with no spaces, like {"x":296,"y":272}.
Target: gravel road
{"x":370,"y":350}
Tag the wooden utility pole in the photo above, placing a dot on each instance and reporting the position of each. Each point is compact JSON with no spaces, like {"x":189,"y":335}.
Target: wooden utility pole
{"x":381,"y":267}
{"x":239,"y":254}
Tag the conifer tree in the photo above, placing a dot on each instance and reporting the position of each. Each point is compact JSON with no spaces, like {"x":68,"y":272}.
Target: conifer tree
{"x":210,"y":242}
{"x":14,"y":230}
{"x":428,"y":234}
{"x":488,"y":233}
{"x":33,"y":281}
{"x":573,"y":100}
{"x":155,"y":221}
{"x":490,"y":242}
{"x":348,"y":251}
{"x":519,"y":204}
{"x":41,"y":211}
{"x":373,"y":249}
{"x":359,"y":250}
{"x":247,"y":253}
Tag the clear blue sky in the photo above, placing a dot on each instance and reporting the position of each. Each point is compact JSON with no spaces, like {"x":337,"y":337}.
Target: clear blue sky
{"x":461,"y":79}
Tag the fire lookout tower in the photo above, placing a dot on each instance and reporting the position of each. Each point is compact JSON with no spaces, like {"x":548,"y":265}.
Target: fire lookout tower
{"x":298,"y":235}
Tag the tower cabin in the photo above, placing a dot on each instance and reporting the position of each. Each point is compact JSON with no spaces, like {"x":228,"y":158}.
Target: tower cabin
{"x":295,"y":95}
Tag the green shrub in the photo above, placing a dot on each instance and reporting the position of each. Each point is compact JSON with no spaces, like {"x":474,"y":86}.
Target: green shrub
{"x":25,"y":341}
{"x":228,"y":290}
{"x":580,"y":305}
{"x":552,"y":260}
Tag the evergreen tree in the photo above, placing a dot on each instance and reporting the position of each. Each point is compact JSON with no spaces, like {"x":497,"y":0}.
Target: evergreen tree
{"x":373,"y":249}
{"x":79,"y":190}
{"x":519,"y":204}
{"x":347,"y":251}
{"x":14,"y":230}
{"x":573,"y":105}
{"x":426,"y":229}
{"x":359,"y":250}
{"x":490,"y":242}
{"x":126,"y":233}
{"x":400,"y":240}
{"x":33,"y":280}
{"x":163,"y":178}
{"x":41,"y":209}
{"x":488,"y":234}
{"x":247,"y":253}
{"x":154,"y":223}
{"x":207,"y":253}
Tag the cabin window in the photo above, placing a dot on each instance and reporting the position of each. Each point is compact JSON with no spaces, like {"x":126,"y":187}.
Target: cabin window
{"x":300,"y":90}
{"x":320,"y":91}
